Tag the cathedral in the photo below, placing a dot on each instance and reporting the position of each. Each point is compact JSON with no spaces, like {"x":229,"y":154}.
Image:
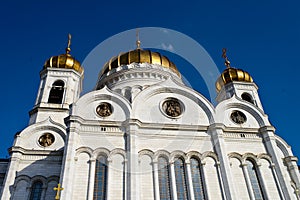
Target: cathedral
{"x":143,"y":134}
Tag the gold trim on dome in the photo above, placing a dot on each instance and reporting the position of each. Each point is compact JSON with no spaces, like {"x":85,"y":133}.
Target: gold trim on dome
{"x":139,"y":56}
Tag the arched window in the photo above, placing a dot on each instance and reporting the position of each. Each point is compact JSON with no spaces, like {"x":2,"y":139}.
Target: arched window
{"x":254,"y":180}
{"x":197,"y":179}
{"x":180,"y":176}
{"x":247,"y":97}
{"x":56,"y":92}
{"x":36,"y":190}
{"x":100,"y":179}
{"x":164,"y":179}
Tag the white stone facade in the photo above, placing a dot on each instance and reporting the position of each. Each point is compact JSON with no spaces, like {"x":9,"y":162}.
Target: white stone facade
{"x":138,"y":132}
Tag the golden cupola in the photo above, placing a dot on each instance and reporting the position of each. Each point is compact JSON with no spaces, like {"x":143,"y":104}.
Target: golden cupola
{"x":231,"y":74}
{"x":139,"y":56}
{"x":64,"y":60}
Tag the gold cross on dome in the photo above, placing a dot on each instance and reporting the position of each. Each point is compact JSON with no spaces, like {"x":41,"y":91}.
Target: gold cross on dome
{"x":138,"y":42}
{"x":227,"y":62}
{"x":68,"y":49}
{"x":58,"y":190}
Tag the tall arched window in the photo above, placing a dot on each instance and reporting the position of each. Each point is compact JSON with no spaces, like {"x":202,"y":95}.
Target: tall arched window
{"x":164,"y":179}
{"x":100,"y":179}
{"x":180,"y":176}
{"x":197,"y":179}
{"x":254,"y":180}
{"x":36,"y":190}
{"x":56,"y":92}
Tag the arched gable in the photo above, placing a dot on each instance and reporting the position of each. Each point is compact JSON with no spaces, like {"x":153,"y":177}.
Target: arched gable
{"x":196,"y":109}
{"x":255,"y":118}
{"x":29,"y":137}
{"x":86,"y":106}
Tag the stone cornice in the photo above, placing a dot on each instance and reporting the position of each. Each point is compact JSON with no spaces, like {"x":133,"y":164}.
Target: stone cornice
{"x":48,"y":107}
{"x":39,"y":152}
{"x":266,"y":129}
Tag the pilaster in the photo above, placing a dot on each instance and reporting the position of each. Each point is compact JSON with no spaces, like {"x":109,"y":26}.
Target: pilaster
{"x":91,"y":179}
{"x":11,"y":175}
{"x":291,"y":163}
{"x":216,"y":132}
{"x":190,"y":180}
{"x":132,"y":162}
{"x":270,"y":144}
{"x":173,"y":181}
{"x":69,"y":162}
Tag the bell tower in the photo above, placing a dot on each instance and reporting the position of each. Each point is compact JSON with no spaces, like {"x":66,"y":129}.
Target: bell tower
{"x":60,"y":85}
{"x":237,"y":82}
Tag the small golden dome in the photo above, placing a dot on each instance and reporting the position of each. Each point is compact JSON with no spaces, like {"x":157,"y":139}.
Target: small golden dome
{"x":139,"y":56}
{"x":231,"y":74}
{"x":64,"y":61}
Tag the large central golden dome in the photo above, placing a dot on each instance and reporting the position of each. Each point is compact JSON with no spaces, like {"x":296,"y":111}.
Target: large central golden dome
{"x":139,"y":56}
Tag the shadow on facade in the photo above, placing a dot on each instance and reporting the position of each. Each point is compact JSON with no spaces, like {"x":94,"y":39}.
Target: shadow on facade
{"x":34,"y":175}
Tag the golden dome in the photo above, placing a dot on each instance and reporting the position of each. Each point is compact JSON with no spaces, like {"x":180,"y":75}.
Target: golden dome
{"x":139,"y":56}
{"x":231,"y":74}
{"x":64,"y":61}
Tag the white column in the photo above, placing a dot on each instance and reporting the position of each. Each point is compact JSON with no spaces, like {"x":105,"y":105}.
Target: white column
{"x":261,"y":181}
{"x":276,"y":180}
{"x":91,"y":179}
{"x":173,"y":181}
{"x":126,"y":178}
{"x":204,"y":179}
{"x":221,"y":180}
{"x":156,"y":181}
{"x":190,"y":181}
{"x":216,"y":132}
{"x":267,"y":133}
{"x":68,"y":167}
{"x":291,"y":163}
{"x":7,"y":190}
{"x":133,"y":190}
{"x":108,"y":179}
{"x":249,"y":186}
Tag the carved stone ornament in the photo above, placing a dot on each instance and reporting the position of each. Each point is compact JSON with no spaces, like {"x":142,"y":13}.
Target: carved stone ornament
{"x":238,"y":117}
{"x":172,"y":107}
{"x":46,"y":139}
{"x":104,"y":109}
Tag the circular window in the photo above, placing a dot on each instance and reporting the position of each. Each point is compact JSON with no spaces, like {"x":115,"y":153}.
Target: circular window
{"x":238,"y":117}
{"x":104,"y":109}
{"x":46,"y":139}
{"x":172,"y":107}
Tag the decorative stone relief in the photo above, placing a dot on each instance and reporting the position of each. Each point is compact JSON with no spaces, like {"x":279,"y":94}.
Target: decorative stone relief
{"x":46,"y":139}
{"x":104,"y":109}
{"x":172,"y":107}
{"x":238,"y":117}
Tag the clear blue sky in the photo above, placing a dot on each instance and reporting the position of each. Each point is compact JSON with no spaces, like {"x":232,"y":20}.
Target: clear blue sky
{"x":262,"y":37}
